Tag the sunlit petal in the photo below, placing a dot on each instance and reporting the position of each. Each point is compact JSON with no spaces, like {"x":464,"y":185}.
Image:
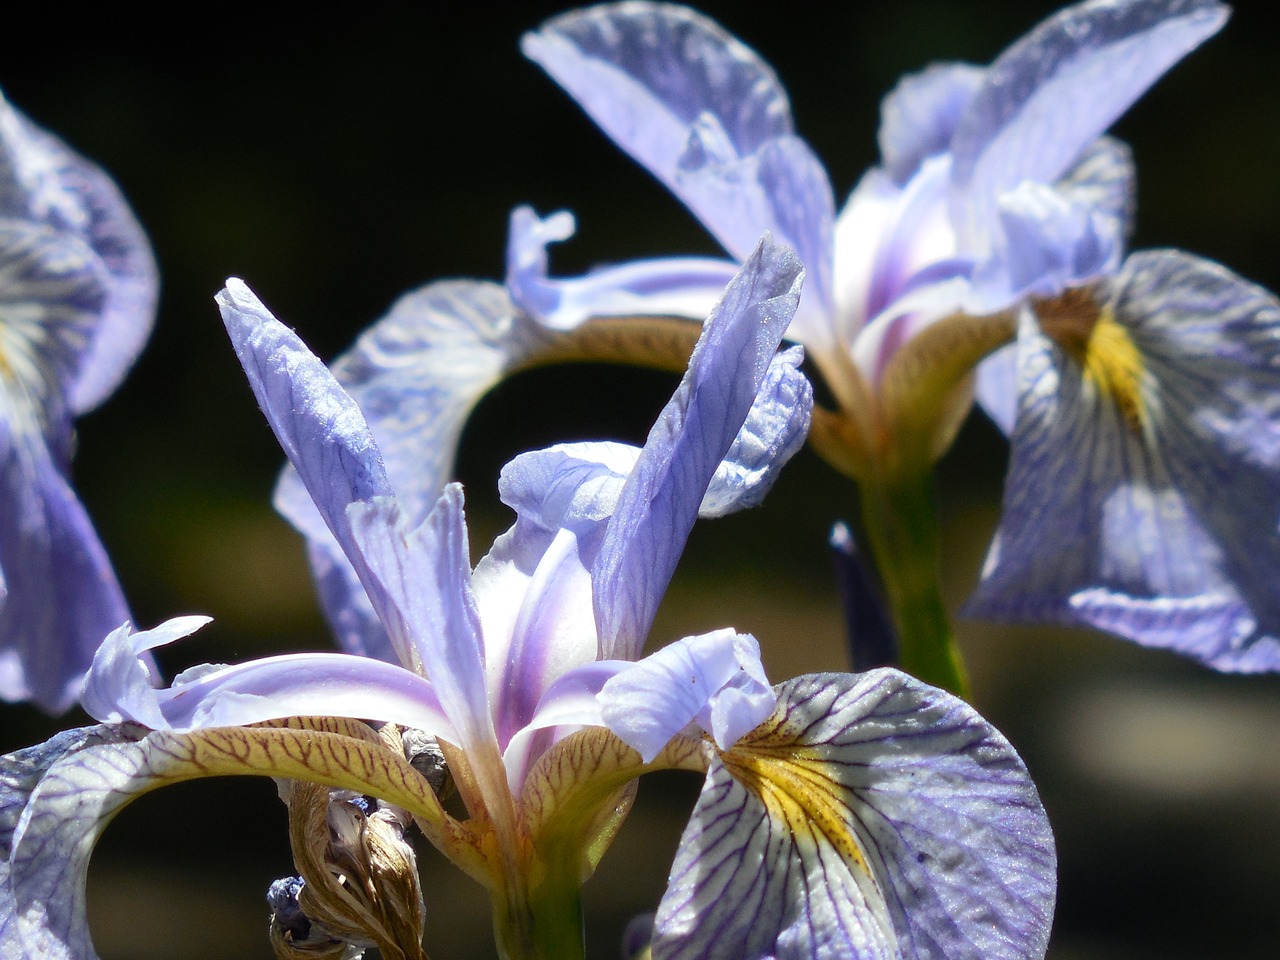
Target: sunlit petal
{"x":678,"y":286}
{"x":1057,"y":89}
{"x":1142,"y":492}
{"x":686,"y":445}
{"x":919,"y":115}
{"x":870,"y":817}
{"x":714,"y":679}
{"x":425,"y":571}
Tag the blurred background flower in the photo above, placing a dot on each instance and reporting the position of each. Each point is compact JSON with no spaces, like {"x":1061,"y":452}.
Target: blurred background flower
{"x":337,"y":163}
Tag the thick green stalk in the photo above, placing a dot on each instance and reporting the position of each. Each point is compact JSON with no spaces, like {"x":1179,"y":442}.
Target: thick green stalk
{"x":546,"y":927}
{"x":900,"y":519}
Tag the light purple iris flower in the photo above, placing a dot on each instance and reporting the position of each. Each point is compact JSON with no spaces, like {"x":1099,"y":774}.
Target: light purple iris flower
{"x":77,"y":299}
{"x":1140,"y":393}
{"x":842,"y":816}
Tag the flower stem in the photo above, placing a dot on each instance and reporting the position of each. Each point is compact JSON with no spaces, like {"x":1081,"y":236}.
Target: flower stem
{"x":900,"y":519}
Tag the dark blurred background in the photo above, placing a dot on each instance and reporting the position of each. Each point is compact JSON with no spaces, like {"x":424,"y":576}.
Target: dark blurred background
{"x":337,"y":162}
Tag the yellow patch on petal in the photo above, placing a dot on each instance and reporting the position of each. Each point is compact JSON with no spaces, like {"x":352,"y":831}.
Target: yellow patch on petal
{"x":795,"y":785}
{"x":1106,"y":354}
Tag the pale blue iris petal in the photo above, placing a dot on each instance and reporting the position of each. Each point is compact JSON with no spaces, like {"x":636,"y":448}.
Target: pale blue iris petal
{"x":646,"y":72}
{"x":553,"y":632}
{"x":60,"y":596}
{"x":311,"y":684}
{"x":20,"y":774}
{"x":715,"y":680}
{"x":996,"y":387}
{"x":425,"y":571}
{"x":326,"y":438}
{"x":53,"y":288}
{"x":660,"y":500}
{"x":572,"y":485}
{"x":1166,"y":535}
{"x":119,"y":685}
{"x":674,"y":287}
{"x":781,"y":188}
{"x":322,"y":430}
{"x":346,"y":604}
{"x":1105,"y":178}
{"x":774,"y":430}
{"x":1045,"y":244}
{"x":704,"y":114}
{"x":957,"y":855}
{"x":1057,"y":89}
{"x":416,"y":375}
{"x":919,"y":116}
{"x":43,"y":181}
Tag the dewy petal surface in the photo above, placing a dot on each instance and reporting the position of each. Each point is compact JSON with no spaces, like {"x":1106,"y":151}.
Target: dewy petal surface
{"x":871,"y":817}
{"x":1142,"y":495}
{"x":660,"y":501}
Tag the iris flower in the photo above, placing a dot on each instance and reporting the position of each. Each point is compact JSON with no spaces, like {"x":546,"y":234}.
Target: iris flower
{"x":864,"y":816}
{"x":77,"y":299}
{"x":985,"y":255}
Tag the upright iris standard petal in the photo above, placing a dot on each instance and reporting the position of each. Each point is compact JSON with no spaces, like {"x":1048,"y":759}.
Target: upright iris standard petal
{"x":416,"y":375}
{"x":870,"y":817}
{"x":426,"y":571}
{"x":918,"y":117}
{"x":1052,"y":93}
{"x":324,"y":434}
{"x":704,"y":114}
{"x":1144,"y":485}
{"x":693,"y":433}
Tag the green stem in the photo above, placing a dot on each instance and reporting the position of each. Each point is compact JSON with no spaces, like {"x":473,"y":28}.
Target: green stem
{"x":548,"y":926}
{"x":900,"y":518}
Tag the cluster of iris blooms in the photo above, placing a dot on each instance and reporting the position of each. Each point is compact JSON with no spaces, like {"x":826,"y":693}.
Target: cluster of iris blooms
{"x":871,"y":814}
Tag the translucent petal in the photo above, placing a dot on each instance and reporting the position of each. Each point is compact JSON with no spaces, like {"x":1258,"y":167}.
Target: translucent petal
{"x":320,"y":427}
{"x":773,"y":432}
{"x":416,"y":375}
{"x":119,"y":684}
{"x":715,"y":679}
{"x":871,"y":817}
{"x":1152,"y":511}
{"x":20,"y":773}
{"x":44,"y":181}
{"x":60,"y":595}
{"x":328,"y":442}
{"x":425,"y":571}
{"x":919,"y":116}
{"x":677,"y":286}
{"x":1046,"y":243}
{"x":704,"y":114}
{"x":693,"y":433}
{"x":1052,"y":93}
